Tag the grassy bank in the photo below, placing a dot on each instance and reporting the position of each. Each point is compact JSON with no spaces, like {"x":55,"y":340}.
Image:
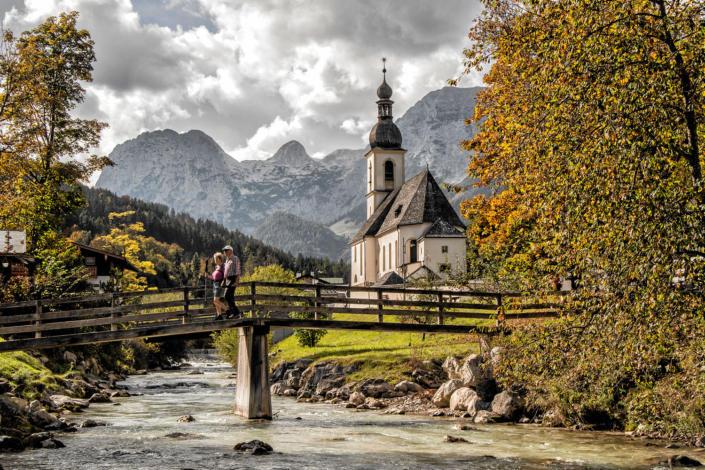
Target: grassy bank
{"x":389,"y":356}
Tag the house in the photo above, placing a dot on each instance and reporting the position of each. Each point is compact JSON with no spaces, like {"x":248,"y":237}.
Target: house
{"x":14,"y":260}
{"x":100,"y":263}
{"x":306,"y":278}
{"x":411,"y":228}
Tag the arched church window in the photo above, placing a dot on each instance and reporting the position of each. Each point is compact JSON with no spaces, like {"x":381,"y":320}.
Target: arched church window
{"x":390,"y":256}
{"x":388,"y":175}
{"x":384,"y":264}
{"x":413,"y":253}
{"x":355,"y":278}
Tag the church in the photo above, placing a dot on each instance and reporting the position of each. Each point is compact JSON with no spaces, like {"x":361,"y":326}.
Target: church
{"x":411,"y":229}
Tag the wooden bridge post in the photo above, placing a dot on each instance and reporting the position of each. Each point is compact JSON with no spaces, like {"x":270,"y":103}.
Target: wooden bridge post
{"x":317,"y":314}
{"x":253,"y":399}
{"x":38,"y":334}
{"x":186,"y":319}
{"x":253,"y":302}
{"x":380,"y":317}
{"x":440,"y":308}
{"x":113,"y":326}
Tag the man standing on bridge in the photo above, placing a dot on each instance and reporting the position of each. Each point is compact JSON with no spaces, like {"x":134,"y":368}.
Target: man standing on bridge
{"x":231,"y":279}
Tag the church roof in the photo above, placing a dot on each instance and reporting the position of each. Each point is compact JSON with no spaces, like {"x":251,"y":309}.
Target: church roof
{"x":442,"y":229}
{"x":389,"y":279}
{"x":419,"y":200}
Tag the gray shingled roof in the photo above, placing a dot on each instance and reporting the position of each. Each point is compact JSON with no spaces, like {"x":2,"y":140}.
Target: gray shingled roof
{"x":389,"y":279}
{"x":419,"y":200}
{"x":442,"y":229}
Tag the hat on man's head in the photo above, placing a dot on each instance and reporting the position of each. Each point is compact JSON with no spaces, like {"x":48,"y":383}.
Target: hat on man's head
{"x":227,"y":247}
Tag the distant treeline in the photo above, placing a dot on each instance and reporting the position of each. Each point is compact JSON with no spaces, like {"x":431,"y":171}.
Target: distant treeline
{"x":204,"y":237}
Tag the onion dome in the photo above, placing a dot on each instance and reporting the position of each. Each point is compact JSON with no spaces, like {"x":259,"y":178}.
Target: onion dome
{"x":385,"y":134}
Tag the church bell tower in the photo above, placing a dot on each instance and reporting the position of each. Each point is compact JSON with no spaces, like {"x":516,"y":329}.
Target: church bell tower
{"x":385,"y":160}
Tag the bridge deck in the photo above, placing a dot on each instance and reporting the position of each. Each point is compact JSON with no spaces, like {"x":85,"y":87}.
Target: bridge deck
{"x":115,"y":317}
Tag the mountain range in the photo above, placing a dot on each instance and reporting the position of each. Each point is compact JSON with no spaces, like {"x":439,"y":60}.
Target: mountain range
{"x":191,"y":173}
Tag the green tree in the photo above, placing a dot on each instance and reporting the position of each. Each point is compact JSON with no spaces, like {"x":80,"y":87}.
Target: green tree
{"x":589,"y":136}
{"x":42,"y":75}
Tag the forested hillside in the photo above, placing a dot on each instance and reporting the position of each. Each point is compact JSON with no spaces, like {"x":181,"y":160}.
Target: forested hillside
{"x":298,"y":235}
{"x":192,"y":239}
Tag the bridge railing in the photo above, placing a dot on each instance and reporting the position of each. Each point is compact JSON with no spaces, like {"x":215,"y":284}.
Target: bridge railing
{"x":120,"y":310}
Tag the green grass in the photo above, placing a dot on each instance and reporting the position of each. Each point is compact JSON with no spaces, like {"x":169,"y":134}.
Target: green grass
{"x":388,"y":356}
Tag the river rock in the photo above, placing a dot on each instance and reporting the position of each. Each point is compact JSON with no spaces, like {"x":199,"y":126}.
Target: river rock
{"x":449,"y":438}
{"x":9,"y":444}
{"x":428,"y":379}
{"x":279,"y":389}
{"x":484,"y":417}
{"x":290,"y":393}
{"x":356,"y":398}
{"x":100,"y":398}
{"x":452,"y":367}
{"x":302,"y":393}
{"x":34,"y":440}
{"x":42,"y":418}
{"x":141,"y":372}
{"x":194,"y":372}
{"x":70,"y":357}
{"x":7,"y":408}
{"x":406,"y":387}
{"x":375,"y":403}
{"x":35,"y":405}
{"x":477,"y":405}
{"x":674,"y":461}
{"x":59,"y":401}
{"x":508,"y":404}
{"x":186,"y":419}
{"x":255,"y":447}
{"x":90,"y":423}
{"x":293,"y":382}
{"x":51,"y":444}
{"x":461,"y":399}
{"x":326,"y":385}
{"x":442,"y":397}
{"x":120,"y":394}
{"x":374,"y":387}
{"x":21,"y":403}
{"x":700,"y":442}
{"x":495,"y":354}
{"x":473,"y":371}
{"x":5,"y":386}
{"x":392,"y":394}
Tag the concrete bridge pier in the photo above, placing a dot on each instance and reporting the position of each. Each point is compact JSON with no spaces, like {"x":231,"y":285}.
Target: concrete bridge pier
{"x":253,"y":399}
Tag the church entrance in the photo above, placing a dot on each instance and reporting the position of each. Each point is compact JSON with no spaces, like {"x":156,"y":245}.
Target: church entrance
{"x":413,"y":252}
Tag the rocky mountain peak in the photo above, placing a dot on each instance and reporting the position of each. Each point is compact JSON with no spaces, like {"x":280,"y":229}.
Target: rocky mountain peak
{"x":291,"y":153}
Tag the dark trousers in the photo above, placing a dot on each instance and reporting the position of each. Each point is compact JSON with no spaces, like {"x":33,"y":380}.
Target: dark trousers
{"x":230,"y":299}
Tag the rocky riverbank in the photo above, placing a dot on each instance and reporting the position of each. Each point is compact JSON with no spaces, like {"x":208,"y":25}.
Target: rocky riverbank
{"x":36,"y":423}
{"x":456,"y":387}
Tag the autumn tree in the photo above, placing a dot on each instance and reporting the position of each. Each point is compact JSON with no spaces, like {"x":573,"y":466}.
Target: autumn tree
{"x":42,"y":144}
{"x":589,"y":134}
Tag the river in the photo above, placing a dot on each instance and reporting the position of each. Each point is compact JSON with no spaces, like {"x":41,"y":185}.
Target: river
{"x":309,"y":437}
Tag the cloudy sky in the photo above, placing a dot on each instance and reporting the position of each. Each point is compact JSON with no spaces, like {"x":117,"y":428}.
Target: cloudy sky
{"x":256,"y":74}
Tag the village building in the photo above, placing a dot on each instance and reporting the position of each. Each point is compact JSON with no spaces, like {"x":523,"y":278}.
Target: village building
{"x":14,"y":260}
{"x":100,"y":263}
{"x":411,"y":230}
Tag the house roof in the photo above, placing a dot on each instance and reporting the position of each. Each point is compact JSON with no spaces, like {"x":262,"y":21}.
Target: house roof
{"x":442,"y":229}
{"x":333,"y":280}
{"x":419,"y":200}
{"x":389,"y":279}
{"x":119,"y":258}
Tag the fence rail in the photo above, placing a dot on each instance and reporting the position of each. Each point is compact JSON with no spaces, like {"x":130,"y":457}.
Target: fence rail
{"x":87,"y":319}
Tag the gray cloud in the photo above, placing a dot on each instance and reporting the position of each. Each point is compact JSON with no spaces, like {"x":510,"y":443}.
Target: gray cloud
{"x":255,"y":74}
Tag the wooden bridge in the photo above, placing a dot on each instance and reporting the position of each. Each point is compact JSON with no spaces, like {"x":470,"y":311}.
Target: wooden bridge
{"x":183,"y":313}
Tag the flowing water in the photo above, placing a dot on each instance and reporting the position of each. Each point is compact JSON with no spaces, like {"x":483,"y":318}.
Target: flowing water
{"x":309,"y":437}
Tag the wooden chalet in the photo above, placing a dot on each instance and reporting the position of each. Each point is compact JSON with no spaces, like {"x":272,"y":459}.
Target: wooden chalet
{"x":14,"y":260}
{"x":100,"y":263}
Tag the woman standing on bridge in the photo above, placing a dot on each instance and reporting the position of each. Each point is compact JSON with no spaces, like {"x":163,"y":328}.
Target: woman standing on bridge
{"x":217,"y":278}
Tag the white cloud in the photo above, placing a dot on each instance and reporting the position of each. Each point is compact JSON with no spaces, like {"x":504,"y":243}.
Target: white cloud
{"x":255,"y":74}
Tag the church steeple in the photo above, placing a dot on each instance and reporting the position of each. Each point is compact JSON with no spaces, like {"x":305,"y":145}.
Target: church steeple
{"x":386,"y":157}
{"x":385,"y":134}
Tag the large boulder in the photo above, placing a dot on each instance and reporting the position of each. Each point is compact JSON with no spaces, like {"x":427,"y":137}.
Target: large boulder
{"x":8,"y":409}
{"x":452,"y":367}
{"x":42,"y":418}
{"x":442,"y":397}
{"x":474,"y":372}
{"x":59,"y":401}
{"x":462,"y":398}
{"x":9,"y":443}
{"x":100,"y":398}
{"x":374,"y":387}
{"x":477,"y":405}
{"x":408,"y":387}
{"x":327,"y":385}
{"x":254,"y":447}
{"x":70,"y":357}
{"x":508,"y":404}
{"x":357,"y":398}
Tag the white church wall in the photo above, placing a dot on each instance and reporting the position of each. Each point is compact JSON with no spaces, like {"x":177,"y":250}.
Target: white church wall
{"x":454,"y":257}
{"x":408,"y":233}
{"x":370,"y":254}
{"x":357,"y":263}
